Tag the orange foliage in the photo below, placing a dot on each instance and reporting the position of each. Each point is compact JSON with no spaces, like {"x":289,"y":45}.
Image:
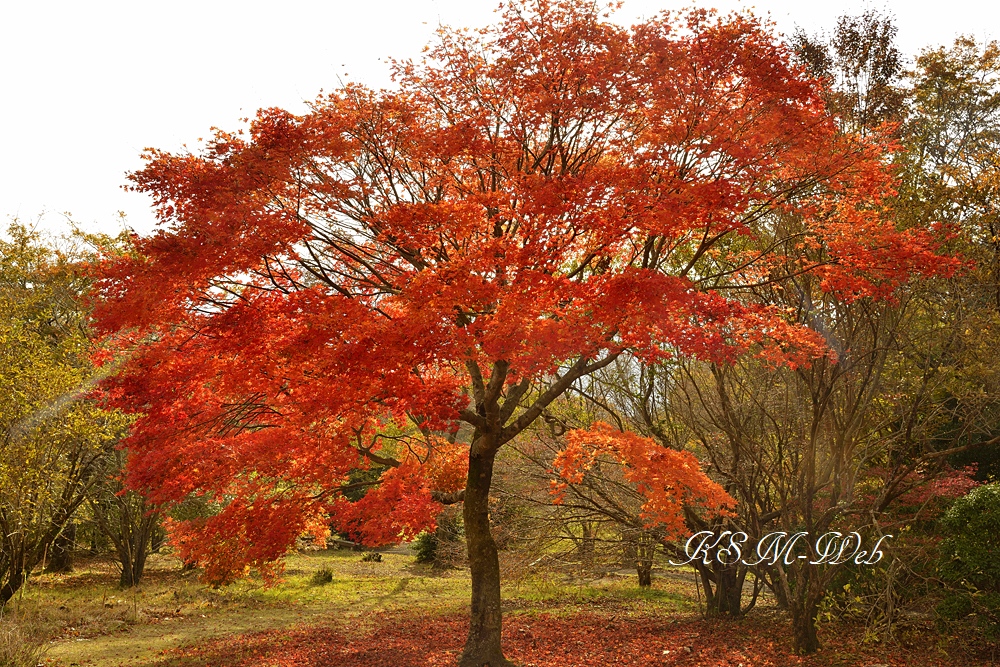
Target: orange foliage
{"x":669,"y":479}
{"x":552,"y":191}
{"x":621,"y":636}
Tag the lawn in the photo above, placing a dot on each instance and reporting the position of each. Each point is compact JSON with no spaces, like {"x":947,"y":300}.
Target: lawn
{"x":398,"y":613}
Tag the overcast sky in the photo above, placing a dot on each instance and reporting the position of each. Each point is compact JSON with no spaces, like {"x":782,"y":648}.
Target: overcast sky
{"x":87,"y":85}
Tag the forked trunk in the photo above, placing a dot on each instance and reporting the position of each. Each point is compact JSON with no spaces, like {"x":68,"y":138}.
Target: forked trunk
{"x":483,"y":645}
{"x":780,"y":597}
{"x":128,"y":578}
{"x":132,"y":569}
{"x":639,"y":549}
{"x":645,"y":571}
{"x":728,"y":591}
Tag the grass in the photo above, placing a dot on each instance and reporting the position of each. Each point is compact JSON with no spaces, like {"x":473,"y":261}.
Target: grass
{"x":553,"y":594}
{"x":20,"y":645}
{"x":90,"y":621}
{"x":333,"y":609}
{"x":93,"y":622}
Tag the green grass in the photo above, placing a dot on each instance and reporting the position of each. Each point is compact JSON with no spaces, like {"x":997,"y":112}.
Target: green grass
{"x":554,"y":594}
{"x":90,"y":621}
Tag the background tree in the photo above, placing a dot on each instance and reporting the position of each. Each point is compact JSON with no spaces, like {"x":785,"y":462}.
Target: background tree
{"x":862,"y":68}
{"x":651,"y":400}
{"x":949,"y":175}
{"x":946,"y":389}
{"x":601,"y":514}
{"x":51,"y":436}
{"x":596,"y":519}
{"x":528,"y":204}
{"x":124,"y":517}
{"x":800,"y":446}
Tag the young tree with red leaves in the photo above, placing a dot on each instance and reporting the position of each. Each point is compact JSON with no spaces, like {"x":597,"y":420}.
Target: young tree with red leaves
{"x":349,"y":286}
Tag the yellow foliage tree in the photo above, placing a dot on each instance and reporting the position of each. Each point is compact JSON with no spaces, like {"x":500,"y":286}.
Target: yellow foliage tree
{"x":52,"y":431}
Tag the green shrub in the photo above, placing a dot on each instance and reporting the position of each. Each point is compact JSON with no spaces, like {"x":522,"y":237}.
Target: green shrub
{"x":970,"y":558}
{"x":321,"y":577}
{"x":425,"y":547}
{"x":445,"y":546}
{"x":372,"y":557}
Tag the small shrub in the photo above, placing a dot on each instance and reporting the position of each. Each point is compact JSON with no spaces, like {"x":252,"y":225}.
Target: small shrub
{"x":323,"y":576}
{"x":425,"y":547}
{"x":445,"y":546}
{"x":372,"y":557}
{"x":18,"y":646}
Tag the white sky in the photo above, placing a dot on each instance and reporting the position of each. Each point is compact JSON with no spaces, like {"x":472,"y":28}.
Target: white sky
{"x":87,"y":85}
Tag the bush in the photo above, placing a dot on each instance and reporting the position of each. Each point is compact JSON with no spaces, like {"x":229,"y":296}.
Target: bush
{"x":970,"y":558}
{"x":321,"y":577}
{"x":425,"y":547}
{"x":372,"y":557}
{"x":18,"y":646}
{"x":445,"y":547}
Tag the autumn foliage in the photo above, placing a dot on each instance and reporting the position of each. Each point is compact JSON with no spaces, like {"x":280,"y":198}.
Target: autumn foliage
{"x":667,"y":478}
{"x":615,"y":637}
{"x":346,"y":288}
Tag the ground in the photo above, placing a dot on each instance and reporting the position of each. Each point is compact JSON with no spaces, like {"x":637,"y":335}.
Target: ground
{"x":400,"y":614}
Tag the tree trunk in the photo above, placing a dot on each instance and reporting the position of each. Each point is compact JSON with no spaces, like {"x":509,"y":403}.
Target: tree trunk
{"x":804,"y":627}
{"x":728,"y":591}
{"x":132,"y":568}
{"x":61,"y":554}
{"x":20,"y":557}
{"x":639,"y":548}
{"x":128,"y":578}
{"x":780,"y":597}
{"x":131,"y":546}
{"x":645,"y":571}
{"x":483,"y":645}
{"x":588,"y":540}
{"x":15,"y":580}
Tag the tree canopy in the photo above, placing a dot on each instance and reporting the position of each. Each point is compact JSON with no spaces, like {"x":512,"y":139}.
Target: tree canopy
{"x":347,"y":287}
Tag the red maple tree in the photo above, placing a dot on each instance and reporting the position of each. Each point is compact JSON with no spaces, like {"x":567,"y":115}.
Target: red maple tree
{"x":345,"y":288}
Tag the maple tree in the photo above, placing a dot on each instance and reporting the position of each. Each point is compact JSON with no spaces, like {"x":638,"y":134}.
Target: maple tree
{"x":346,"y":287}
